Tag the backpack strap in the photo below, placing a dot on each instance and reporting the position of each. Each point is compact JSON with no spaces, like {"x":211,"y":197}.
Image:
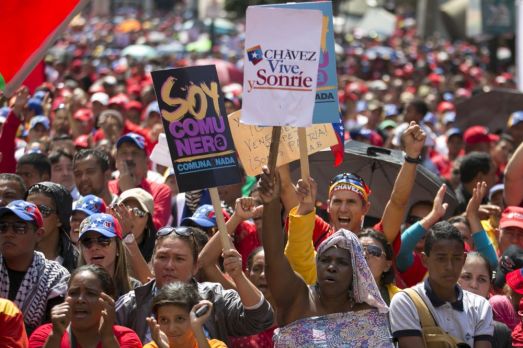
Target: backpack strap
{"x":425,"y":316}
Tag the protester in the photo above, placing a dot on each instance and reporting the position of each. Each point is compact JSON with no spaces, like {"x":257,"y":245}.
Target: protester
{"x":12,"y":329}
{"x":101,"y":244}
{"x":55,"y":204}
{"x":92,"y":172}
{"x":62,"y":171}
{"x":348,"y":205}
{"x":86,"y":318}
{"x":510,"y":228}
{"x":174,"y":308}
{"x":12,"y":188}
{"x":463,"y":315}
{"x":378,"y":254}
{"x":84,"y":207}
{"x":241,"y":313}
{"x":33,"y":168}
{"x":131,"y":161}
{"x":32,"y":282}
{"x":475,"y":277}
{"x":141,"y":207}
{"x":345,"y":297}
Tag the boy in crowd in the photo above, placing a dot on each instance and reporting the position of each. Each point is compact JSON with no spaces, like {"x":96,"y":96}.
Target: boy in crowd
{"x":462,"y":314}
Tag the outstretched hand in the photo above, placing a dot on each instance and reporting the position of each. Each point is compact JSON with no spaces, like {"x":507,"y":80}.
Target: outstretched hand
{"x":269,"y":186}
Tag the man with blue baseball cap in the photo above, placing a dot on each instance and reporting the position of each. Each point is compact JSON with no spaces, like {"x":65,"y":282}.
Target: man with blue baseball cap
{"x":132,"y":162}
{"x":39,"y":127}
{"x":27,"y":278}
{"x":84,"y":207}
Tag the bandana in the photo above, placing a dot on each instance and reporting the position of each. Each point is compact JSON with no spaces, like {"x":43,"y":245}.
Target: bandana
{"x":348,"y":184}
{"x":364,"y":288}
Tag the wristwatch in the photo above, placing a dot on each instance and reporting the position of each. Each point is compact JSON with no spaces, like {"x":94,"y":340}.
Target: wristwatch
{"x":129,"y":238}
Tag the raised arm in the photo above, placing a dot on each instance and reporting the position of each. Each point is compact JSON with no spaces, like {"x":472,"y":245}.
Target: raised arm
{"x":514,"y":178}
{"x":413,"y":140}
{"x":208,"y":258}
{"x":280,"y":276}
{"x":412,"y":235}
{"x":481,"y":241}
{"x":300,"y":247}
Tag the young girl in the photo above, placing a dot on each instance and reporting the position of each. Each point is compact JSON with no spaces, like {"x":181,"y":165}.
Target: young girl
{"x":179,"y":316}
{"x":475,"y":277}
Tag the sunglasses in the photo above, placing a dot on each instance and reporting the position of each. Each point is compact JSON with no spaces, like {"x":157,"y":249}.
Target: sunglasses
{"x":102,"y":241}
{"x":347,"y":177}
{"x":181,"y":231}
{"x":45,"y":210}
{"x":411,"y":219}
{"x":18,"y":227}
{"x":138,"y":212}
{"x":372,"y":250}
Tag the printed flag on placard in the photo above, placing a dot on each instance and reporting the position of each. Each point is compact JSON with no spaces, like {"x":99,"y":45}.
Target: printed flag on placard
{"x":28,"y":29}
{"x":196,"y":127}
{"x":338,"y":149}
{"x":282,"y":53}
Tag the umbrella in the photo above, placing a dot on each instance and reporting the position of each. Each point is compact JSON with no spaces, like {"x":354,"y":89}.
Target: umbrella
{"x":171,"y":48}
{"x":227,"y":72}
{"x":379,"y":21}
{"x":491,"y":109}
{"x":140,"y":52}
{"x":129,"y":25}
{"x":379,"y":168}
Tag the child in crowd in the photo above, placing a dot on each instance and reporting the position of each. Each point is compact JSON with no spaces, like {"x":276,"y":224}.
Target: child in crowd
{"x":179,"y":314}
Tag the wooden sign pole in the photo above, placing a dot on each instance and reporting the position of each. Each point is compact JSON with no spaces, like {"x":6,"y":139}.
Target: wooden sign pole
{"x":304,"y":157}
{"x":220,"y":220}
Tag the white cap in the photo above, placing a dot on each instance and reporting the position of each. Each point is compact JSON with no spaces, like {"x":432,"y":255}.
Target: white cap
{"x":100,"y":97}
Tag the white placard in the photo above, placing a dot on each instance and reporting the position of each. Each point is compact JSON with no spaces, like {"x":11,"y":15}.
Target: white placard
{"x":281,"y":66}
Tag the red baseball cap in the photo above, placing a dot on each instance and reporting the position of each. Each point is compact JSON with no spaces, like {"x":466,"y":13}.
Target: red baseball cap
{"x":83,"y":115}
{"x":512,"y":217}
{"x":134,"y":104}
{"x":445,"y":106}
{"x":515,"y":280}
{"x":478,"y":134}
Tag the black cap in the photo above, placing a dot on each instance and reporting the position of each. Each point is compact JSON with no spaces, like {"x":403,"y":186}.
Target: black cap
{"x":511,"y":260}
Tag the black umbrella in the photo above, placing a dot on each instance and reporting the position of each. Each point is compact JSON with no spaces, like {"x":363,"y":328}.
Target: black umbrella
{"x":379,"y":168}
{"x":491,"y":109}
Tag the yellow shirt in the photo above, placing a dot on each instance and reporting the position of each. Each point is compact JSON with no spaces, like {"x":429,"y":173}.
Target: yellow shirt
{"x":300,"y":248}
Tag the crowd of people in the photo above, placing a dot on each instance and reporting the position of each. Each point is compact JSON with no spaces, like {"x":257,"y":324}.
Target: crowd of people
{"x":99,"y":248}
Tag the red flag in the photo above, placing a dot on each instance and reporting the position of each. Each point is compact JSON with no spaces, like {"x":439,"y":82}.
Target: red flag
{"x":28,"y":29}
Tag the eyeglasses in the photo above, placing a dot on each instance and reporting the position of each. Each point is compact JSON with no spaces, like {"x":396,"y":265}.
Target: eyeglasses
{"x":102,"y":241}
{"x":137,"y":212}
{"x":18,"y":227}
{"x":347,"y":176}
{"x":373,"y":250}
{"x":45,"y":210}
{"x":411,"y":219}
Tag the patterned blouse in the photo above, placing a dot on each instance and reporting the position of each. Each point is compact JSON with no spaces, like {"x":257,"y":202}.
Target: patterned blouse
{"x":365,"y":328}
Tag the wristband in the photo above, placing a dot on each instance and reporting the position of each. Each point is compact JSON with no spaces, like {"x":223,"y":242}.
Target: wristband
{"x":413,"y":160}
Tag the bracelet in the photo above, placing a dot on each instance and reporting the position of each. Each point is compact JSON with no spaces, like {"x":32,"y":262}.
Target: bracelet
{"x":413,"y":160}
